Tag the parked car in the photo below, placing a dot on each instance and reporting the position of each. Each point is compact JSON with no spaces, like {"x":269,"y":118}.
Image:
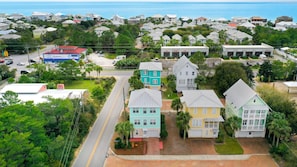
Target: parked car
{"x":25,"y":72}
{"x":32,"y":61}
{"x":8,"y":61}
{"x":21,"y":64}
{"x":2,"y":60}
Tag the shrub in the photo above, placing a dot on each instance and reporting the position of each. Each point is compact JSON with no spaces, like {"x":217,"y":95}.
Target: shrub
{"x":228,"y":130}
{"x":220,"y":138}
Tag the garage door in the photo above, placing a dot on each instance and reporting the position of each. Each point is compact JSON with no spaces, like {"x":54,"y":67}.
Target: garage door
{"x":195,"y":133}
{"x":153,"y":133}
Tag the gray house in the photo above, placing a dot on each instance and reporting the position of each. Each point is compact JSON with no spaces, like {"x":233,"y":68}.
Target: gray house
{"x":185,"y":73}
{"x":245,"y":103}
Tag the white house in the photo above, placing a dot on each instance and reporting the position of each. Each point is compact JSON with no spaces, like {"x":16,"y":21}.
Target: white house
{"x":214,"y":36}
{"x":236,"y":35}
{"x":166,"y":39}
{"x":38,"y":92}
{"x":177,"y":37}
{"x":100,"y":30}
{"x":201,"y":38}
{"x":185,"y":72}
{"x":118,"y":20}
{"x":170,"y":18}
{"x":192,"y":39}
{"x":245,"y":103}
{"x":41,"y":16}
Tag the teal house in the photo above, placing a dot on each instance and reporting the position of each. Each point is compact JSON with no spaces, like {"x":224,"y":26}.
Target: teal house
{"x":243,"y":102}
{"x":150,"y":74}
{"x":145,"y":113}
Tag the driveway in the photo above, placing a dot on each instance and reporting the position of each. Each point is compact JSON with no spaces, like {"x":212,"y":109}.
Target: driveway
{"x":99,"y":59}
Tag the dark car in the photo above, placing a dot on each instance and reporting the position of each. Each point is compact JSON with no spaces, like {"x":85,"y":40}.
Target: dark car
{"x":32,"y":61}
{"x":8,"y":61}
{"x":25,"y":72}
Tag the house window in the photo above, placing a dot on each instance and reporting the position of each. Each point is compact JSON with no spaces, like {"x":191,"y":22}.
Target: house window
{"x":135,"y":110}
{"x":181,"y":81}
{"x":180,"y":73}
{"x":204,"y":111}
{"x":136,"y":122}
{"x":144,"y":72}
{"x":256,"y":122}
{"x":144,"y":122}
{"x":246,"y":112}
{"x":193,"y":73}
{"x":262,"y":122}
{"x":196,"y":122}
{"x":186,"y":72}
{"x":155,"y":81}
{"x":153,"y":122}
{"x":214,"y":111}
{"x":155,"y":73}
{"x":152,"y":110}
{"x":144,"y":110}
{"x":251,"y":122}
{"x":244,"y":122}
{"x":195,"y":110}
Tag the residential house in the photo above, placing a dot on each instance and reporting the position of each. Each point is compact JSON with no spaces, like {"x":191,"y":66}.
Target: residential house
{"x":177,"y":37}
{"x":205,"y":107}
{"x":214,"y":37}
{"x":59,"y":17}
{"x":239,"y":36}
{"x":185,"y":72}
{"x":38,"y":32}
{"x":166,"y":39}
{"x":62,"y":53}
{"x":150,"y":74}
{"x":257,"y":20}
{"x":156,"y":36}
{"x":38,"y":92}
{"x":117,"y":20}
{"x":10,"y":36}
{"x":157,"y":17}
{"x":5,"y":32}
{"x":147,"y":27}
{"x":15,"y":16}
{"x":200,"y":20}
{"x":145,"y":113}
{"x":201,"y":38}
{"x":245,"y":103}
{"x":99,"y":30}
{"x":4,"y":26}
{"x":285,"y":25}
{"x":248,"y":25}
{"x":239,"y":20}
{"x":192,"y":39}
{"x":170,"y":18}
{"x":41,"y":16}
{"x":67,"y":23}
{"x":283,"y":18}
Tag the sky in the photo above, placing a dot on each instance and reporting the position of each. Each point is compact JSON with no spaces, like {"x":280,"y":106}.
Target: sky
{"x":148,"y":0}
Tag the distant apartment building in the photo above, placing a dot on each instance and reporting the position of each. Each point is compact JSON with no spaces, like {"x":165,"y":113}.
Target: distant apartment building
{"x":179,"y":51}
{"x":257,"y":20}
{"x":247,"y":50}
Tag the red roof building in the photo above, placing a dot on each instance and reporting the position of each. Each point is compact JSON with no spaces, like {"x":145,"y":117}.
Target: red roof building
{"x":62,"y":53}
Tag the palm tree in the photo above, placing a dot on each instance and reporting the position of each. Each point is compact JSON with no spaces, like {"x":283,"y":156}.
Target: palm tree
{"x":98,"y":69}
{"x":182,"y":121}
{"x":124,"y":129}
{"x":176,"y":104}
{"x":280,"y":129}
{"x":235,"y":123}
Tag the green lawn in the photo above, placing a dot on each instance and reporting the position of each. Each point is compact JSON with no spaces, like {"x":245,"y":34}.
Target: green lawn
{"x":81,"y":84}
{"x":230,"y":145}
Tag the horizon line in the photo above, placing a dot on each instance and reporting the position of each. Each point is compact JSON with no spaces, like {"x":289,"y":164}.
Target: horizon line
{"x":203,"y":1}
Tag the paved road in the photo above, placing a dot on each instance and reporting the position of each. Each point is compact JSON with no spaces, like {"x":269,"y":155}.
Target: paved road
{"x":95,"y":148}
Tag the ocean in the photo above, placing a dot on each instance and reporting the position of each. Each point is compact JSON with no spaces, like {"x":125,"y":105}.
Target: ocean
{"x":211,"y":10}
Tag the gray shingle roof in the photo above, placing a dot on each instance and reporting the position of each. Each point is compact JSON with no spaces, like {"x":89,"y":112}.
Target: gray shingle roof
{"x":181,"y":62}
{"x":201,"y":98}
{"x":150,"y":66}
{"x":239,"y":93}
{"x":145,"y":98}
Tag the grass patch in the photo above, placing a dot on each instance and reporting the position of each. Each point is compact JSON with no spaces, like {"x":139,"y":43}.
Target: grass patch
{"x":81,"y":84}
{"x":110,"y":56}
{"x":168,"y":94}
{"x":229,"y":147}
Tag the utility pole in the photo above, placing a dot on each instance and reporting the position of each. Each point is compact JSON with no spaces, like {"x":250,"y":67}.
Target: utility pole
{"x":27,"y":49}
